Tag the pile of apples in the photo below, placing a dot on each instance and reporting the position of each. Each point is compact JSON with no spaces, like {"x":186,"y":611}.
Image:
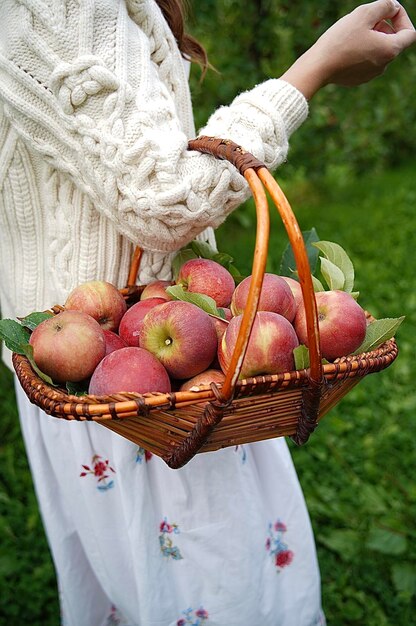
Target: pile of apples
{"x":161,"y":343}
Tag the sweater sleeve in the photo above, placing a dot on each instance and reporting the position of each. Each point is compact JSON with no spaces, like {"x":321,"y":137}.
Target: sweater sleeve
{"x":97,"y":90}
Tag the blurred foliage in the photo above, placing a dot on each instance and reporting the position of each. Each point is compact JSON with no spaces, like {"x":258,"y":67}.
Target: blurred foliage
{"x":350,"y":130}
{"x":28,"y":592}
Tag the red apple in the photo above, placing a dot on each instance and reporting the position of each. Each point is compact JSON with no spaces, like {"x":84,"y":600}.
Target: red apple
{"x":270,"y":348}
{"x":99,"y":299}
{"x":342,"y":323}
{"x":68,"y":346}
{"x":220,"y":326}
{"x":113,"y":341}
{"x":275,"y":296}
{"x":129,"y":369}
{"x":207,"y":277}
{"x":132,"y":320}
{"x":157,"y":289}
{"x":204,"y":378}
{"x":182,"y":336}
{"x":295,"y":288}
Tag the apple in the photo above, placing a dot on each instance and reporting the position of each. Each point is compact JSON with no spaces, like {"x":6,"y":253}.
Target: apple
{"x":270,"y":348}
{"x":204,"y":378}
{"x":131,"y":321}
{"x":68,"y":346}
{"x":113,"y":341}
{"x":101,"y":300}
{"x":342,"y":323}
{"x":295,"y":288}
{"x":131,"y":370}
{"x":157,"y":289}
{"x":207,"y":277}
{"x":275,"y":296}
{"x":220,"y":326}
{"x":182,"y":336}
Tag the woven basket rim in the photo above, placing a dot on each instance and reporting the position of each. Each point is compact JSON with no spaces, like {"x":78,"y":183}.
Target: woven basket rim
{"x":343,"y":367}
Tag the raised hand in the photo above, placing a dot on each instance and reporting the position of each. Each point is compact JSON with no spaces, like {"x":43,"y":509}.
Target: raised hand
{"x":356,"y":49}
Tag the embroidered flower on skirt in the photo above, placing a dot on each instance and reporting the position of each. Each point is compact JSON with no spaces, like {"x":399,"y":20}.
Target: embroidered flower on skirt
{"x":143,"y":455}
{"x":277,"y":548}
{"x":116,"y":618}
{"x":166,"y":543}
{"x":240,"y":449}
{"x":101,"y":470}
{"x":193,"y":618}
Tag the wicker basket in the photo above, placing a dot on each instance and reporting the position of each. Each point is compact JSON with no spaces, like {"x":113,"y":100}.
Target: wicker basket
{"x":176,"y":426}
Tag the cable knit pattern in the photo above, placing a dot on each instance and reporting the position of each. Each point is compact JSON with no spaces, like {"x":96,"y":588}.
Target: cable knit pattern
{"x":72,"y":83}
{"x":95,"y":93}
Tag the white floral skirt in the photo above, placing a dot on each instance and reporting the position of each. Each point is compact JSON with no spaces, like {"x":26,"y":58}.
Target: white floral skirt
{"x":224,"y":541}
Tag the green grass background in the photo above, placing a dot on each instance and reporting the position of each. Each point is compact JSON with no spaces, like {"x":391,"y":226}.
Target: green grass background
{"x":358,"y":469}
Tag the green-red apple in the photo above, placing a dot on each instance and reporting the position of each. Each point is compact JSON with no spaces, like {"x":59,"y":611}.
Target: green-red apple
{"x":182,"y":336}
{"x":101,"y":300}
{"x":295,"y":288}
{"x":68,"y":346}
{"x":270,"y":348}
{"x":157,"y":289}
{"x":113,"y":341}
{"x":342,"y":323}
{"x":207,"y":277}
{"x":204,"y":378}
{"x":132,"y":320}
{"x":131,"y":370}
{"x":275,"y":296}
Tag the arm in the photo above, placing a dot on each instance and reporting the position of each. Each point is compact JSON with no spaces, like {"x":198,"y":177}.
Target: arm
{"x":355,"y":49}
{"x":110,"y":111}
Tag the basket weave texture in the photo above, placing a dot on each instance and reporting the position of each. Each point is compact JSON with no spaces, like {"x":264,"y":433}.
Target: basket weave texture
{"x":178,"y":425}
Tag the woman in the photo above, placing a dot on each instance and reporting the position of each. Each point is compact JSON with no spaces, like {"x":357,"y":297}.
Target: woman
{"x":96,"y":115}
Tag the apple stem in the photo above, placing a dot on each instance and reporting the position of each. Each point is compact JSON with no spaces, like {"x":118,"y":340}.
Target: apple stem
{"x":168,"y":341}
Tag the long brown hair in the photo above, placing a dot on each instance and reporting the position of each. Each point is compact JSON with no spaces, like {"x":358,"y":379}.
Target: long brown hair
{"x":174,"y":12}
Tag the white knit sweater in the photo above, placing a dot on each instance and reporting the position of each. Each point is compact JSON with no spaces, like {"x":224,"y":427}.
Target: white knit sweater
{"x":95,"y":114}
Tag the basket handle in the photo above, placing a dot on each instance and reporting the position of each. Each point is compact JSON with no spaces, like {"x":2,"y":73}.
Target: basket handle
{"x":260,"y":179}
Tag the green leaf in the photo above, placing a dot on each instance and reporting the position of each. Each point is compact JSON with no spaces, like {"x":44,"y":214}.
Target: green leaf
{"x":332,"y":274}
{"x":386,"y":542}
{"x":373,"y":499}
{"x":14,"y":335}
{"x":203,"y":249}
{"x":34,"y":319}
{"x":206,"y":303}
{"x":236,"y":274}
{"x":404,"y":578}
{"x":288,"y":264}
{"x":317,"y":285}
{"x":179,"y":259}
{"x":9,"y":565}
{"x":337,"y":255}
{"x":223,"y":259}
{"x":342,"y":541}
{"x":226,"y":261}
{"x":301,"y":356}
{"x":77,"y":389}
{"x":28,"y":352}
{"x":378,"y":332}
